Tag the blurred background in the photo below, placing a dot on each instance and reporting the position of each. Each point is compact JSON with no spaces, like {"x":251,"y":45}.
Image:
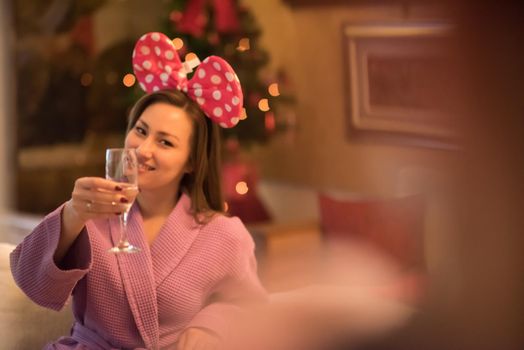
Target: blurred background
{"x":380,"y":148}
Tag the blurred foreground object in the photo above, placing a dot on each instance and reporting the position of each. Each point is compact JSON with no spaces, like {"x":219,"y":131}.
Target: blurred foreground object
{"x":490,"y":194}
{"x":485,"y":200}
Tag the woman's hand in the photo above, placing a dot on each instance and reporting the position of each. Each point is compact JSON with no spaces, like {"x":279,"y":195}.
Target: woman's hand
{"x":96,"y":197}
{"x":198,"y":339}
{"x":92,"y":198}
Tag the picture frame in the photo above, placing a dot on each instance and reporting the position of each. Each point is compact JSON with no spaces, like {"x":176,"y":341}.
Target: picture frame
{"x":397,"y":83}
{"x":323,"y":3}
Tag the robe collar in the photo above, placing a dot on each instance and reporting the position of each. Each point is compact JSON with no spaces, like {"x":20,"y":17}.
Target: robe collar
{"x":144,"y":271}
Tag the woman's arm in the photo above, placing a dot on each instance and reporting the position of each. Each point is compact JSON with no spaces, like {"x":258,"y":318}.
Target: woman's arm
{"x":71,"y":226}
{"x":57,"y":254}
{"x":35,"y":271}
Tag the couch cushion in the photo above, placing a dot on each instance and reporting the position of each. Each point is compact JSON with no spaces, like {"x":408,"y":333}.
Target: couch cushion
{"x":23,"y":324}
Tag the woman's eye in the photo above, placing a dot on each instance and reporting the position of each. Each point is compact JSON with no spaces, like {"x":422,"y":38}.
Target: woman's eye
{"x":166,"y":143}
{"x":140,"y":130}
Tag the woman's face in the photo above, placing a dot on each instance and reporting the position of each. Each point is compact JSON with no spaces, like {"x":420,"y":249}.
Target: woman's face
{"x":162,"y":136}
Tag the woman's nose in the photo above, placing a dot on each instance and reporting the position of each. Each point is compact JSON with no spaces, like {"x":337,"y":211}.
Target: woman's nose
{"x":145,"y":148}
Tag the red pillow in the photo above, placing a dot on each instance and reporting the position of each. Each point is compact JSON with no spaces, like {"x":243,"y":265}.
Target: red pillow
{"x":395,"y":225}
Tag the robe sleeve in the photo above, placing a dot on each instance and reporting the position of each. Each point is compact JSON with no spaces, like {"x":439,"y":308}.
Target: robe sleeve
{"x":240,"y":289}
{"x":35,"y":271}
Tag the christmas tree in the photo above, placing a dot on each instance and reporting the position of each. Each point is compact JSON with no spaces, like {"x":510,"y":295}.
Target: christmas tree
{"x":228,"y":29}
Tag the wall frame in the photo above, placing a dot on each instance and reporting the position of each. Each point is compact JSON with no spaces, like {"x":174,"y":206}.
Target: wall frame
{"x":397,"y":83}
{"x":309,"y":3}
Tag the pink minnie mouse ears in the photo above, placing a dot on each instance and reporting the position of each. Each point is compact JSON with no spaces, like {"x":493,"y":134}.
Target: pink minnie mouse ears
{"x":214,"y":86}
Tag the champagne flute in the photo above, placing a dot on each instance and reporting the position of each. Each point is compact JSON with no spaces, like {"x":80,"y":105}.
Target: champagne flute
{"x":122,"y":167}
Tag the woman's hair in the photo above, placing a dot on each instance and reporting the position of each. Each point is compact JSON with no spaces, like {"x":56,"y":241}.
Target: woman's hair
{"x":203,"y":183}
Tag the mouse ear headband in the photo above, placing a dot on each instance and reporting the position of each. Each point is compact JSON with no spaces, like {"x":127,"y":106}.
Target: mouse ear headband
{"x":214,"y":86}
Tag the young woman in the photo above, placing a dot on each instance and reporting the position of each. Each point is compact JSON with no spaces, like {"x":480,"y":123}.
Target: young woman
{"x":196,"y":266}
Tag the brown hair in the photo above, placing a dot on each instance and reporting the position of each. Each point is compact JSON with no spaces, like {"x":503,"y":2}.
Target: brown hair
{"x":203,"y":183}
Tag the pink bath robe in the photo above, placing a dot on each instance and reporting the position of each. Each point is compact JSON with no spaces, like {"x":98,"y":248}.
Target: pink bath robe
{"x":191,"y":276}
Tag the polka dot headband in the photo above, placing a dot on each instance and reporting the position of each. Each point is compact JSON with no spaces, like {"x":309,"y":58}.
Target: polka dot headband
{"x":214,"y":86}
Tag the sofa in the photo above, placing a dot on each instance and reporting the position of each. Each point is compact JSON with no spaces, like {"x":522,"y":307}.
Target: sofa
{"x":23,"y":324}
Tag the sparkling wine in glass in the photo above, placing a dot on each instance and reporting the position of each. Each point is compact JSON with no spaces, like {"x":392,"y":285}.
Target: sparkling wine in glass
{"x":122,"y":167}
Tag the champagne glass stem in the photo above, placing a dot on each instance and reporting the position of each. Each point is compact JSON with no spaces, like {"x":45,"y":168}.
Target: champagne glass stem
{"x":121,"y":166}
{"x":123,"y":245}
{"x":123,"y":230}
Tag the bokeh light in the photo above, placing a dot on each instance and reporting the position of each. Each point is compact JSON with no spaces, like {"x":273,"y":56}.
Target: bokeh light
{"x":243,"y":44}
{"x":241,"y":187}
{"x":86,"y":79}
{"x":243,"y":114}
{"x":129,"y":80}
{"x":263,"y":105}
{"x":178,"y":43}
{"x":273,"y":90}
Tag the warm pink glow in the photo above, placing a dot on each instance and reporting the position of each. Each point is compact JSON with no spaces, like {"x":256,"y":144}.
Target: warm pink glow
{"x":269,"y":121}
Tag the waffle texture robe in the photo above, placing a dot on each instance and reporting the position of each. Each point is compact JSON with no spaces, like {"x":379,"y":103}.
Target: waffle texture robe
{"x":192,"y":275}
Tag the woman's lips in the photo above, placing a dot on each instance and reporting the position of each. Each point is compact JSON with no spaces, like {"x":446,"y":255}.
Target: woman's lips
{"x":145,"y":167}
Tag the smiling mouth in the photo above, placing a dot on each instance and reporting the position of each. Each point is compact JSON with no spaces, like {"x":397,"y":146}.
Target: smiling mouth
{"x":145,"y":167}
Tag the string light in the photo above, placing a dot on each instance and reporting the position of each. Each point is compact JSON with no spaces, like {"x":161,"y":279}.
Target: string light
{"x":243,"y":114}
{"x":263,"y":105}
{"x":241,"y":187}
{"x":273,"y":90}
{"x":191,"y":57}
{"x":86,"y":79}
{"x":129,"y":80}
{"x":178,"y":43}
{"x":243,"y":44}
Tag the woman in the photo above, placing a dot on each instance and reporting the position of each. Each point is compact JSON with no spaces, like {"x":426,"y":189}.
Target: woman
{"x":196,"y":266}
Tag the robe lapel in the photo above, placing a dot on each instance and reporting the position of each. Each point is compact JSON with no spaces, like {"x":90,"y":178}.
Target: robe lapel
{"x":174,"y":240}
{"x":138,"y":279}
